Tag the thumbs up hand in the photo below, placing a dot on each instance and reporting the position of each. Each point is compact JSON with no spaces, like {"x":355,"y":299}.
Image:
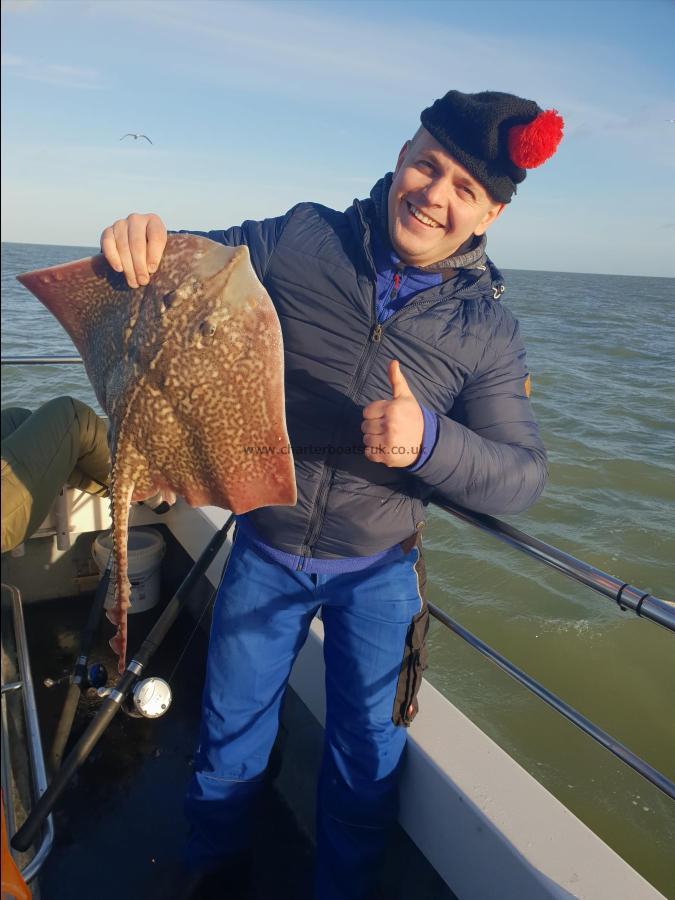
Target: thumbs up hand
{"x":393,"y":429}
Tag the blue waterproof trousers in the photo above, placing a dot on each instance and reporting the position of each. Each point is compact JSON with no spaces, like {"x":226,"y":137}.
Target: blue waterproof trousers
{"x":260,"y":621}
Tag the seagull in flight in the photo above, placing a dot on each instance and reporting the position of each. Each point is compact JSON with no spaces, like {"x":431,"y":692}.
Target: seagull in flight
{"x":136,"y":137}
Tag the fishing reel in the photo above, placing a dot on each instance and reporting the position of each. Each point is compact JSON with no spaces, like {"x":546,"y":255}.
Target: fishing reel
{"x":96,"y":676}
{"x":149,"y":698}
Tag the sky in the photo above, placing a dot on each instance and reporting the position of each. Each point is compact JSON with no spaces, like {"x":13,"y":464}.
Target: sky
{"x":255,"y":106}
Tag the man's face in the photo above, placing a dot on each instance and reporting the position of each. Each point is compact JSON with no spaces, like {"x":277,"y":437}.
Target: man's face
{"x":434,"y":204}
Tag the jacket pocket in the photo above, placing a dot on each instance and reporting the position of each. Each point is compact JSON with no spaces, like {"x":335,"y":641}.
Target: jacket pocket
{"x":415,"y":656}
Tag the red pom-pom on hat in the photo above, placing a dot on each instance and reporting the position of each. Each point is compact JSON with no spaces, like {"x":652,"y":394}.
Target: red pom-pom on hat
{"x":532,"y":144}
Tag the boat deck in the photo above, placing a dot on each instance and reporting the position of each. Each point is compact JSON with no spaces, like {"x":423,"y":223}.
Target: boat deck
{"x":119,"y":827}
{"x":485,"y":824}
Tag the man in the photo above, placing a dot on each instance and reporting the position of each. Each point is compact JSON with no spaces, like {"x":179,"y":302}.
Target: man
{"x":63,"y":441}
{"x":405,"y":376}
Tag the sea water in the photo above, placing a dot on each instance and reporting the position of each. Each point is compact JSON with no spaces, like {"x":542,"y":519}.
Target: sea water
{"x":600,"y":352}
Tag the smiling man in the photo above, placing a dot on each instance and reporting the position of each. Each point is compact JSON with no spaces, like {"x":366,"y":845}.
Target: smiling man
{"x":405,"y":378}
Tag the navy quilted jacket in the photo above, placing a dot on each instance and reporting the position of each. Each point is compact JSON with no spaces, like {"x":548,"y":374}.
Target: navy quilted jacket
{"x":460,"y":350}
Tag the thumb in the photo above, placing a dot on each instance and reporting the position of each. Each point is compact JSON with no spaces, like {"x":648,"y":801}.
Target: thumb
{"x":399,"y":386}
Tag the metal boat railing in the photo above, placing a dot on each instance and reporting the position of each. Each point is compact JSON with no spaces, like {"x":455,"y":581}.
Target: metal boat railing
{"x":38,"y":774}
{"x":625,"y":595}
{"x":41,"y":360}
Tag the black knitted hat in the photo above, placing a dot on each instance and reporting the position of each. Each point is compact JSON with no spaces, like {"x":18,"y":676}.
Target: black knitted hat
{"x":495,"y":136}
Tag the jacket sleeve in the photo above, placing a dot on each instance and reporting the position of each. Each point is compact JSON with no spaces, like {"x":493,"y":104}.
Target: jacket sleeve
{"x":489,"y":456}
{"x":261,"y":238}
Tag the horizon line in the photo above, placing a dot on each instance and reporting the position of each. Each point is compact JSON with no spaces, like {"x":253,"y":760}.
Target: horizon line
{"x":501,"y":268}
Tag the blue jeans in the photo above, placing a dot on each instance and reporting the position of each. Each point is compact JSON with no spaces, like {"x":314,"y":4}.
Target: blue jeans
{"x":260,"y":621}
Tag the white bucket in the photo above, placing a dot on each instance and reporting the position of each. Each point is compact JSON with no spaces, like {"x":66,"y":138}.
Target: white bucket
{"x":145,"y":550}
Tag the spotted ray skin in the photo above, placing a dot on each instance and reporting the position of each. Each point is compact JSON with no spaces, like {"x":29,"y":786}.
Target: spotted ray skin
{"x":189,"y":370}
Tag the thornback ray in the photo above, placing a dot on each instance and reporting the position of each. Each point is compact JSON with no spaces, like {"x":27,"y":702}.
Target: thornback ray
{"x":190,"y":371}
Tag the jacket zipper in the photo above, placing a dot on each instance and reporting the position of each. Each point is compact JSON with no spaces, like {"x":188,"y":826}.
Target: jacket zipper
{"x":316,"y":521}
{"x":397,"y":284}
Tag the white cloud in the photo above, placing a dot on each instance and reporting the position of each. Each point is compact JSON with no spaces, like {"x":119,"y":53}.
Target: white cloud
{"x":52,"y":73}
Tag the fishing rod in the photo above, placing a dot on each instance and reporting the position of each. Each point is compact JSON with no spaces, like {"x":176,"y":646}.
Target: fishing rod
{"x":625,"y":595}
{"x":112,"y":704}
{"x":82,"y":677}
